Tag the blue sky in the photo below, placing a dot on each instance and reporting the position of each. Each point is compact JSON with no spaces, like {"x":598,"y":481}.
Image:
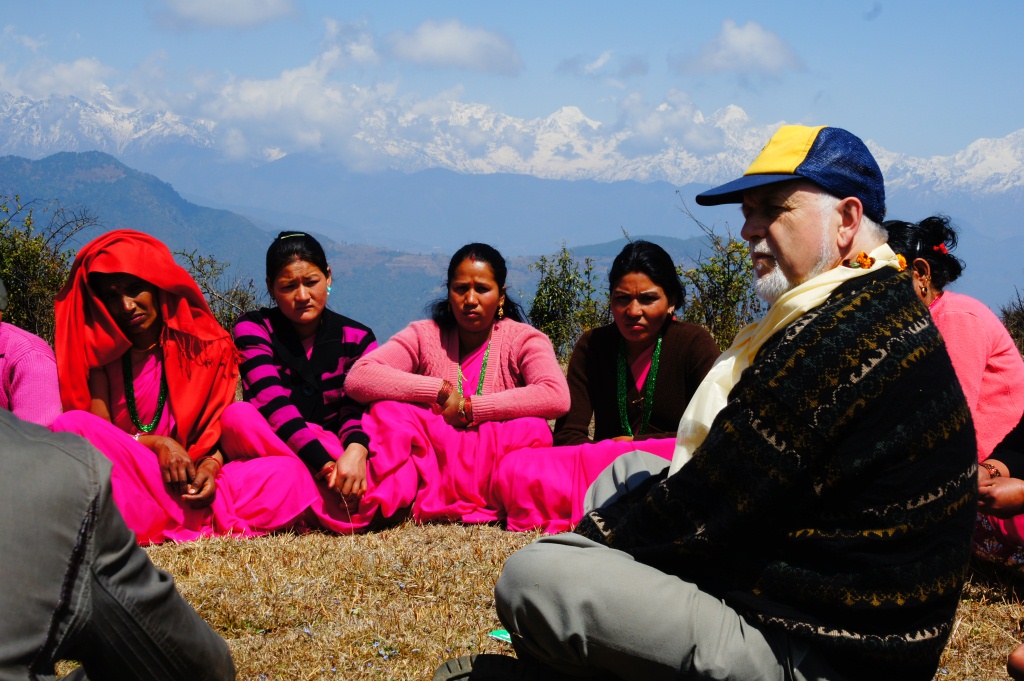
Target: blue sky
{"x":922,"y":78}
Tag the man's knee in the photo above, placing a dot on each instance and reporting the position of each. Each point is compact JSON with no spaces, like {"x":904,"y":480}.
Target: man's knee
{"x":522,"y":573}
{"x":539,"y":572}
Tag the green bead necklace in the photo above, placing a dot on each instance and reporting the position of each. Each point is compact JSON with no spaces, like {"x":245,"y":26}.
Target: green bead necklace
{"x":652,"y":377}
{"x":129,"y":395}
{"x":483,"y":372}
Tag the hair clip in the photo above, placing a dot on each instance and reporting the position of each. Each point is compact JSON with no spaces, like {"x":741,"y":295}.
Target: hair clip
{"x":941,"y":248}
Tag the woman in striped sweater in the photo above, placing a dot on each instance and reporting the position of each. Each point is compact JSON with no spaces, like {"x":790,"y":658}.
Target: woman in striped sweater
{"x":295,"y":357}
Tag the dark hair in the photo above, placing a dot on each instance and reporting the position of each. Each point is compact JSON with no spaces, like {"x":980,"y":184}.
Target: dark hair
{"x":933,"y":239}
{"x":291,"y":246}
{"x":439,"y":310}
{"x":651,"y":259}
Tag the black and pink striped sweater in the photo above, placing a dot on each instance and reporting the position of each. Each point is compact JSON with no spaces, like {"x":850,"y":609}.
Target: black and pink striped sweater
{"x":291,"y":390}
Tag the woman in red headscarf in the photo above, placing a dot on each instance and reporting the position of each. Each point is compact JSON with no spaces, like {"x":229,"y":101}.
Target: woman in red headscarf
{"x":146,"y":374}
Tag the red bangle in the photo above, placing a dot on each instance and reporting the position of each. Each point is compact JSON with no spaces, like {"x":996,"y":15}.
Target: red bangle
{"x":445,"y":392}
{"x":991,"y":468}
{"x":209,"y":457}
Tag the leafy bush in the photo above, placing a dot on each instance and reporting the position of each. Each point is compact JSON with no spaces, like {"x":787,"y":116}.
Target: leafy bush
{"x":718,"y":294}
{"x":34,"y":263}
{"x":228,"y":296}
{"x":1013,"y":319}
{"x":567,"y":302}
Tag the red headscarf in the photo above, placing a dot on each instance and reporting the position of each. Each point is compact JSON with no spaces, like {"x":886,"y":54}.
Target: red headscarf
{"x":199,"y":357}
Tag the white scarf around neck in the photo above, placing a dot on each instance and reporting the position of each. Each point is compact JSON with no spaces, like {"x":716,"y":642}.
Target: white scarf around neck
{"x":713,"y":392}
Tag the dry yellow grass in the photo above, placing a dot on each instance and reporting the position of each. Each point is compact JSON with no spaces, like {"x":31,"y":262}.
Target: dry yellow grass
{"x":394,"y":604}
{"x":387,"y":605}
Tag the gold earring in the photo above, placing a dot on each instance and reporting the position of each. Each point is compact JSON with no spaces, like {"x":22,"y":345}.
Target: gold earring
{"x":501,"y":310}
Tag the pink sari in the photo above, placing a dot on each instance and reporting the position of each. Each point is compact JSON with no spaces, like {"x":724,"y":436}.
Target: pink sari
{"x":545,"y":488}
{"x":442,"y":473}
{"x":255,"y":493}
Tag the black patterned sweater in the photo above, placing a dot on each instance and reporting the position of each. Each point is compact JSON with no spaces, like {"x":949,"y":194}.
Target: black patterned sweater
{"x":835,"y":494}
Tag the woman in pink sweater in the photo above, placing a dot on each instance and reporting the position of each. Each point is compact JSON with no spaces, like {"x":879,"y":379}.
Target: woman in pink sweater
{"x":450,"y":396}
{"x":28,"y":373}
{"x":985,"y":358}
{"x":991,"y":373}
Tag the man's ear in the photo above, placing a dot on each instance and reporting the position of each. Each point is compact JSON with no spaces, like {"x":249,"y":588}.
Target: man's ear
{"x":850,"y":210}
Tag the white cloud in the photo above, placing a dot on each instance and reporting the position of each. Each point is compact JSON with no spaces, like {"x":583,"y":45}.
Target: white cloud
{"x":354,"y":40}
{"x":595,"y":66}
{"x":441,"y":44}
{"x":747,"y":49}
{"x":226,"y":13}
{"x":10,"y":35}
{"x":675,"y":122}
{"x":82,"y":78}
{"x":613,"y":71}
{"x":301,"y":110}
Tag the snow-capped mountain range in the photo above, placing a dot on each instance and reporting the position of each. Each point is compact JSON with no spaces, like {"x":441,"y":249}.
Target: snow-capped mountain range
{"x":474,"y":139}
{"x":431,"y":179}
{"x":36,"y":128}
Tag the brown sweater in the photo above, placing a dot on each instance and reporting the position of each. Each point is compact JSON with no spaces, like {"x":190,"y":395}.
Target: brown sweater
{"x":687,"y":352}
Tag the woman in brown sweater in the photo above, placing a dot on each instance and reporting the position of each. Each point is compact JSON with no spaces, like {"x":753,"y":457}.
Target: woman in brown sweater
{"x":633,"y":378}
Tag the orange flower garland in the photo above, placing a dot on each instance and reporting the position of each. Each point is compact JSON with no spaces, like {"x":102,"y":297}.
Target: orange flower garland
{"x":862,"y":261}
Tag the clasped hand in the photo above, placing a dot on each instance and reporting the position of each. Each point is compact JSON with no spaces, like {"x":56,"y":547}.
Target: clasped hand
{"x":450,"y":411}
{"x":347,"y":475}
{"x":1000,"y":496}
{"x":196,"y":485}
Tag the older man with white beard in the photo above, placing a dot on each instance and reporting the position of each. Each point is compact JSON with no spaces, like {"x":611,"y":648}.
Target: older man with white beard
{"x":815,"y":521}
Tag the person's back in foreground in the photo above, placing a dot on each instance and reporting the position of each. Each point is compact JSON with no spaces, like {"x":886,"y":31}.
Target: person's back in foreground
{"x":815,"y":522}
{"x":76,"y":585}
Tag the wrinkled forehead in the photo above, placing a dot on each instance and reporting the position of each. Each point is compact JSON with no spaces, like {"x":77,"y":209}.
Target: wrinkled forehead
{"x":779,"y":192}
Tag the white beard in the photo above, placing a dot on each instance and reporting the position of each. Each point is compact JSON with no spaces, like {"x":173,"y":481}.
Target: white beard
{"x":770,"y":287}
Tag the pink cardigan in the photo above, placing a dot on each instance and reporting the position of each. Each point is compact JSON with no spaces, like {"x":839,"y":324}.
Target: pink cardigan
{"x":523,"y":377}
{"x":986,"y":361}
{"x":28,"y":376}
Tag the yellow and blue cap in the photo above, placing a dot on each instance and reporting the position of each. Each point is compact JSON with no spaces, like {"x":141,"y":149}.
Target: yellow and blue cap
{"x":834,"y":159}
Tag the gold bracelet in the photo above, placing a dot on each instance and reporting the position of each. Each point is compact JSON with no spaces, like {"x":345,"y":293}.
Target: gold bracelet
{"x":991,"y":468}
{"x":462,"y":409}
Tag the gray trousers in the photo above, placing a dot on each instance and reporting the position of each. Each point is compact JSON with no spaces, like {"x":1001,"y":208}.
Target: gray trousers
{"x":587,"y":610}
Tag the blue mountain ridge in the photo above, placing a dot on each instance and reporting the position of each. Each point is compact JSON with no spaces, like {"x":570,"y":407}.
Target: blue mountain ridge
{"x":389,"y":235}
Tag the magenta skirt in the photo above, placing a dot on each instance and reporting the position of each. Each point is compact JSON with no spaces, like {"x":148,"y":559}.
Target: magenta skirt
{"x":544,"y":488}
{"x":420,"y":464}
{"x":261,"y":489}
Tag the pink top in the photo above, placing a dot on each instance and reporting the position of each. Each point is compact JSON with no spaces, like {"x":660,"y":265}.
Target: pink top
{"x":146,"y":384}
{"x":986,"y":361}
{"x":640,"y":367}
{"x":470,"y":367}
{"x":28,"y":376}
{"x":523,"y":377}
